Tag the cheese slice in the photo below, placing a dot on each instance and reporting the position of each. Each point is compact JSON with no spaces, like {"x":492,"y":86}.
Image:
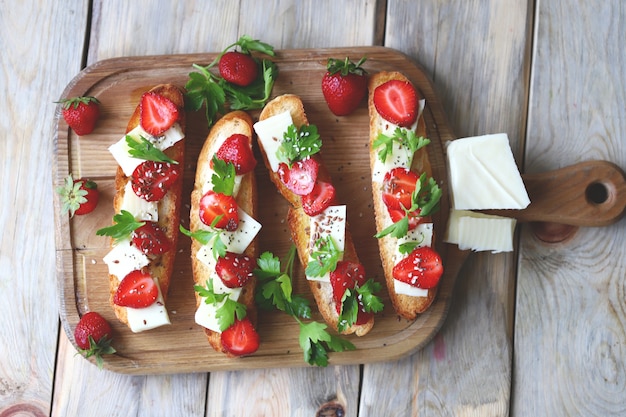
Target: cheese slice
{"x":206,"y":313}
{"x":124,"y":258}
{"x":155,"y":315}
{"x":480,"y":232}
{"x":138,"y":207}
{"x":331,"y":222}
{"x":483,"y":174}
{"x":270,"y":132}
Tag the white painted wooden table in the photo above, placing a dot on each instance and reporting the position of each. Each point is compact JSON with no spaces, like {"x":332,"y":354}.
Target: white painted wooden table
{"x":541,"y":331}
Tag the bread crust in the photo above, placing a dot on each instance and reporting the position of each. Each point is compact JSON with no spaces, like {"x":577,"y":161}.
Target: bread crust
{"x":169,"y":206}
{"x":298,"y":220}
{"x":406,"y":306}
{"x":229,"y":124}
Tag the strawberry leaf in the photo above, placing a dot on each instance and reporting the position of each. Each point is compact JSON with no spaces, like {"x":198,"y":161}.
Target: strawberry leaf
{"x":72,"y":196}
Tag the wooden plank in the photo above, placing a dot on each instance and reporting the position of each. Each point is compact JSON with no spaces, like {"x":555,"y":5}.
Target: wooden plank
{"x":33,"y":70}
{"x":477,"y":57}
{"x":571,"y":310}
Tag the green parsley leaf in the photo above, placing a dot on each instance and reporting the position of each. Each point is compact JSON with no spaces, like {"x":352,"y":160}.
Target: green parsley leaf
{"x":125,"y":224}
{"x":299,"y":144}
{"x":142,"y":148}
{"x":325,"y":256}
{"x":208,"y":237}
{"x":403,"y":137}
{"x":223,"y":178}
{"x":229,"y":308}
{"x":350,"y":303}
{"x":315,"y":342}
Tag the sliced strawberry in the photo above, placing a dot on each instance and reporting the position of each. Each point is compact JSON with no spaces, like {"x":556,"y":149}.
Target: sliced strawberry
{"x":236,"y":149}
{"x":235,"y":269}
{"x":301,"y":177}
{"x":151,"y":179}
{"x":414,"y":217}
{"x":346,"y":276}
{"x":421,"y":269}
{"x":397,"y":189}
{"x":241,"y":338}
{"x":157,"y":113}
{"x":318,"y":200}
{"x":238,"y":68}
{"x":219,"y":210}
{"x":396,"y":101}
{"x":136,"y":290}
{"x":151,"y":239}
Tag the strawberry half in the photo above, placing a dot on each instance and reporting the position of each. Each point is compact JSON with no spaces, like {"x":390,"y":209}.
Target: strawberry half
{"x":396,"y":102}
{"x":421,"y":269}
{"x":238,"y":68}
{"x":319,"y":199}
{"x":235,"y":269}
{"x":136,"y":290}
{"x":241,"y":338}
{"x":93,"y":336}
{"x":301,"y":177}
{"x":219,"y":210}
{"x":81,"y":113}
{"x":236,"y":149}
{"x":344,"y":85}
{"x":397,"y":191}
{"x":151,"y":239}
{"x":151,"y":179}
{"x":157,"y":113}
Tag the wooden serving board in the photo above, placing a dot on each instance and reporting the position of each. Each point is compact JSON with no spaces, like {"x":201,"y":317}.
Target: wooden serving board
{"x":182,"y":347}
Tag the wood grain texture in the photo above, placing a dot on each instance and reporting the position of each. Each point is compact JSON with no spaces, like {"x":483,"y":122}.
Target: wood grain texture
{"x":477,"y":56}
{"x":29,"y":325}
{"x":570,"y":326}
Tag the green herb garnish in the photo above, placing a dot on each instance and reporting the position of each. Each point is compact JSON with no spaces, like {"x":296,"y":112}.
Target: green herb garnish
{"x":299,"y":144}
{"x":223,"y":178}
{"x":125,"y":224}
{"x":350,"y":303}
{"x":206,"y":237}
{"x":229,"y":308}
{"x":403,"y":137}
{"x":325,"y":256}
{"x":142,"y":148}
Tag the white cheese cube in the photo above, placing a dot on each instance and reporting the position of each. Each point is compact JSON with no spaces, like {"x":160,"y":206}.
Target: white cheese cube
{"x":331,"y":222}
{"x":247,"y":230}
{"x":205,"y":313}
{"x":155,"y":315}
{"x":483,"y":174}
{"x":125,"y":258}
{"x":407,"y":289}
{"x":480,"y":232}
{"x":270,"y":132}
{"x":140,"y":208}
{"x":422,"y":234}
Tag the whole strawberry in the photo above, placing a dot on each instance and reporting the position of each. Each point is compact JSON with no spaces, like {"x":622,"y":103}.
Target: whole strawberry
{"x":78,"y":196}
{"x":81,"y":113}
{"x":93,"y":336}
{"x":238,"y":68}
{"x":344,"y":85}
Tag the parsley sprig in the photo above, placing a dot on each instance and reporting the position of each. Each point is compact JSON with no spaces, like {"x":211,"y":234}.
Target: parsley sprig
{"x":229,"y":308}
{"x":125,"y":224}
{"x":404,"y":137}
{"x":142,"y":148}
{"x":350,"y":303}
{"x":223,"y":178}
{"x":275,"y":290}
{"x":299,"y":143}
{"x":424,"y":198}
{"x":208,"y":237}
{"x":325,"y":256}
{"x":216,"y":94}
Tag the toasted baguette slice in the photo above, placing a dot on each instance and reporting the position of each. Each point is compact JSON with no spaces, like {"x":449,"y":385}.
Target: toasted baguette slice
{"x":231,"y":123}
{"x":169,"y":206}
{"x":299,"y":221}
{"x":405,"y":306}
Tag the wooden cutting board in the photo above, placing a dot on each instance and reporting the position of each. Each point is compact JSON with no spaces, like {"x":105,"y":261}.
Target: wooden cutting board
{"x":182,"y":347}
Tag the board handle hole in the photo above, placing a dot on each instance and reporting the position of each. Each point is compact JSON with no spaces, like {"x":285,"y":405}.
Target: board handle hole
{"x":597,"y":193}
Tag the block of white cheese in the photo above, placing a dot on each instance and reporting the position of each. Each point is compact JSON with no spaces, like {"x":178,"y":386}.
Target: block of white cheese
{"x":206,"y":313}
{"x":153,"y":316}
{"x":480,"y":232}
{"x":124,"y":258}
{"x":143,"y":210}
{"x":270,"y":132}
{"x":483,"y":174}
{"x":329,"y":223}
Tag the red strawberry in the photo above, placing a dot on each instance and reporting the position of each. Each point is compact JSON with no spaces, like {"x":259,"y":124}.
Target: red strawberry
{"x":235,"y":269}
{"x":318,"y":200}
{"x":346,"y":276}
{"x":236,"y":149}
{"x":397,"y":190}
{"x":396,"y":101}
{"x":136,"y":290}
{"x":93,"y":336}
{"x":421,"y":269}
{"x":344,"y":85}
{"x":151,"y":239}
{"x":301,"y":177}
{"x":221,"y":209}
{"x":151,"y":179}
{"x":81,"y":113}
{"x":157,"y":113}
{"x":238,"y":68}
{"x":79,"y":196}
{"x":241,"y":338}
